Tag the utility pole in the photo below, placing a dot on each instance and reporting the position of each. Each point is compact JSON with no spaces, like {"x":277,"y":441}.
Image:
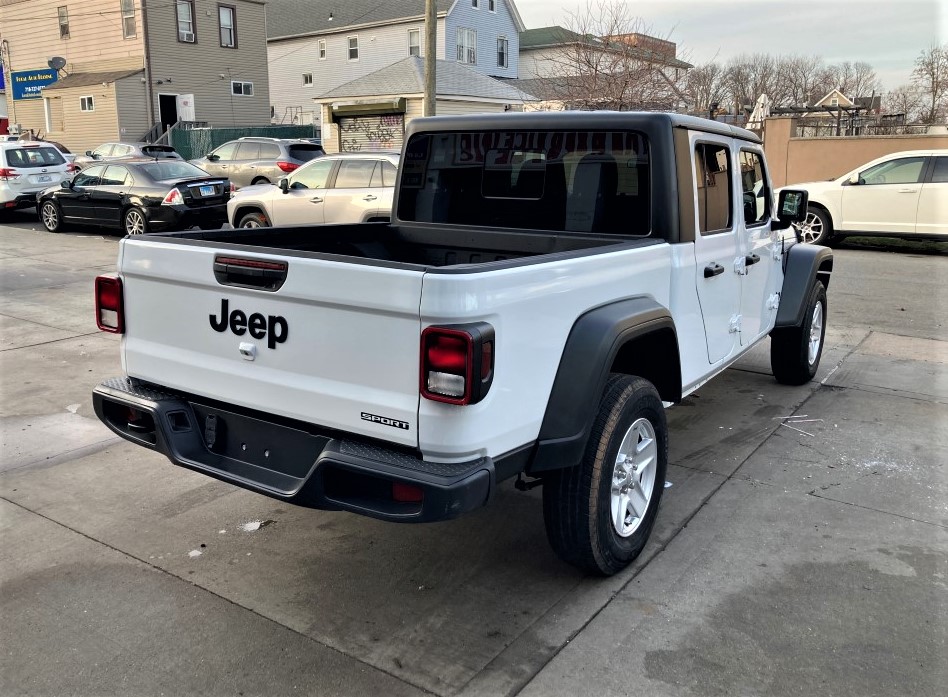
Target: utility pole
{"x":431,"y":53}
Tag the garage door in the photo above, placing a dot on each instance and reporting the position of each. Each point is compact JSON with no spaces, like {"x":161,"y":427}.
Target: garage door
{"x":380,"y":132}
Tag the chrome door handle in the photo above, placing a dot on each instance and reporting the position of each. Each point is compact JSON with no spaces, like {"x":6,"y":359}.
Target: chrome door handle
{"x":316,"y":199}
{"x":907,"y":191}
{"x":370,"y":197}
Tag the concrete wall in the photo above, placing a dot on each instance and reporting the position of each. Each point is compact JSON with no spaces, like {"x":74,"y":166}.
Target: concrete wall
{"x":797,"y":160}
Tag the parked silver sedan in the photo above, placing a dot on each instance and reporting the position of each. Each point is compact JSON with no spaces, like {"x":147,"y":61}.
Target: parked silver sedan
{"x":344,"y":188}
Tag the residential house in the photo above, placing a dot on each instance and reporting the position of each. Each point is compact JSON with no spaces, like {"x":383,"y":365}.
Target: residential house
{"x":83,"y":73}
{"x":315,"y":46}
{"x":371,"y":112}
{"x":569,"y":70}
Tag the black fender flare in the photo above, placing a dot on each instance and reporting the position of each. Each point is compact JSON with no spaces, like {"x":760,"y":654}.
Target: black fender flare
{"x":591,"y":348}
{"x":803,"y":263}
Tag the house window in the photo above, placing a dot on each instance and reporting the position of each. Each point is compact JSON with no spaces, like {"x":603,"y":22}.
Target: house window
{"x":491,"y":5}
{"x":63,"y":22}
{"x":86,"y":103}
{"x":321,"y":45}
{"x":228,"y":20}
{"x":467,"y":46}
{"x":473,"y":3}
{"x":414,"y":42}
{"x":129,"y":30}
{"x":353,"y":48}
{"x":502,"y":52}
{"x":834,"y":101}
{"x":184,"y":10}
{"x":244,"y":89}
{"x":307,"y":79}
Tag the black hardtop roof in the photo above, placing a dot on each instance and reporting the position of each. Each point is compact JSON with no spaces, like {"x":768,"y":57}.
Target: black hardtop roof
{"x":576,"y":121}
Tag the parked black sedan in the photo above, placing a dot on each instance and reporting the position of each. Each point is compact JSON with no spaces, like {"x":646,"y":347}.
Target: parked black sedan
{"x":138,"y":197}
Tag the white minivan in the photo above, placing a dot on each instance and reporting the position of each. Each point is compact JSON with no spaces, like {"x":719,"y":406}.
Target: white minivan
{"x":26,"y":169}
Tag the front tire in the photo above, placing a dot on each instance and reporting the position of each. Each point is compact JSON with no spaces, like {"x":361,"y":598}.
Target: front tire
{"x":51,"y":216}
{"x":254,"y":219}
{"x":795,"y":352}
{"x":599,"y":514}
{"x":134,"y":222}
{"x":817,"y":228}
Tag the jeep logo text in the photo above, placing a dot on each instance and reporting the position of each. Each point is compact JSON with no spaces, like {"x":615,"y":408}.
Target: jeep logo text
{"x":272,"y":327}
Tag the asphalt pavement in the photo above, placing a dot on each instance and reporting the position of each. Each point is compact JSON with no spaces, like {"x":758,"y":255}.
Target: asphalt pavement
{"x":801,"y":548}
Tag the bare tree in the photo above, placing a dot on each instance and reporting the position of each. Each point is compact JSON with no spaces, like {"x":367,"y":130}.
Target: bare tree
{"x":802,"y":79}
{"x":704,"y":86}
{"x":931,"y":77}
{"x":610,"y":60}
{"x":905,"y":99}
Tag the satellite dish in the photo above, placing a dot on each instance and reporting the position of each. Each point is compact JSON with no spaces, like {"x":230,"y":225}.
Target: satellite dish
{"x":56,"y":63}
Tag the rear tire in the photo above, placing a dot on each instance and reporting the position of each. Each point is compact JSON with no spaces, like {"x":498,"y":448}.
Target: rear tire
{"x":51,"y":216}
{"x":260,"y":180}
{"x":134,"y":222}
{"x":795,"y":352}
{"x":599,"y":514}
{"x":255,"y":219}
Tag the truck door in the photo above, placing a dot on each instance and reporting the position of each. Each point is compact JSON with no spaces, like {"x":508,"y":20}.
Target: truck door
{"x":717,"y":244}
{"x":761,"y":266}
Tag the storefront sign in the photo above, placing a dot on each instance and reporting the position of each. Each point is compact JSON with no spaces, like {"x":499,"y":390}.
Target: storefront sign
{"x":29,"y":84}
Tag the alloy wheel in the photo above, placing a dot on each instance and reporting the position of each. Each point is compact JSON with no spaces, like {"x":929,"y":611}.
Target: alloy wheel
{"x":134,"y":223}
{"x":812,"y":228}
{"x":50,"y":216}
{"x":633,"y":477}
{"x":816,"y":333}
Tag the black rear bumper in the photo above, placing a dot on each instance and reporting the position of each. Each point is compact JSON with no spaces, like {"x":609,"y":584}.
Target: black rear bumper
{"x":293,"y":462}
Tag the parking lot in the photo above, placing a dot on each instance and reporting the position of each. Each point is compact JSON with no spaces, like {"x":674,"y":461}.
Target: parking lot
{"x":800,"y":549}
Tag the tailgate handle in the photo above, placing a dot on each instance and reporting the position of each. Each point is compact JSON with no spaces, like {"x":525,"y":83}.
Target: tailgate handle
{"x":250,"y":273}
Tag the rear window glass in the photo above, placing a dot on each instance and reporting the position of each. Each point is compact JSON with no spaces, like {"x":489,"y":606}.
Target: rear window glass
{"x":590,"y":181}
{"x":171,"y":170}
{"x":161,"y":151}
{"x":34,"y":157}
{"x":305,"y":153}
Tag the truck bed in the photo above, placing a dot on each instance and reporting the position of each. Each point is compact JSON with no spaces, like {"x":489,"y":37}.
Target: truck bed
{"x":419,"y":247}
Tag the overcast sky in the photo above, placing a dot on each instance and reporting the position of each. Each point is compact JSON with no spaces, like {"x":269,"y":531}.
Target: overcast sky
{"x":888,"y":34}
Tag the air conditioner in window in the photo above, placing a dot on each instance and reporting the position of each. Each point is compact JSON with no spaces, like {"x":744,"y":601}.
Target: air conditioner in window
{"x":187,"y":36}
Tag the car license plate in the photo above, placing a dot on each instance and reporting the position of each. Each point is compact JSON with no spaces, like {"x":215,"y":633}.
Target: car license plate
{"x":45,"y":178}
{"x":207,"y":190}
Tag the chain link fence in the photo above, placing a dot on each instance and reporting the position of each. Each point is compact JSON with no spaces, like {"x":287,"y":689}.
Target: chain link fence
{"x":197,"y":142}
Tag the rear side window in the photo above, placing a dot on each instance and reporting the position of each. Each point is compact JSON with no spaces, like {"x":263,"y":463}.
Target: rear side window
{"x":355,"y":174}
{"x":34,"y":157}
{"x":389,"y":172}
{"x":713,"y":183}
{"x":589,"y":181}
{"x":940,"y":173}
{"x":305,"y":153}
{"x":269,"y":151}
{"x":115,"y":176}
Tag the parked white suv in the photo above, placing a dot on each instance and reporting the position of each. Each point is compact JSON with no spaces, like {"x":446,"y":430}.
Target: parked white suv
{"x":344,"y":188}
{"x":26,"y":169}
{"x":899,"y":195}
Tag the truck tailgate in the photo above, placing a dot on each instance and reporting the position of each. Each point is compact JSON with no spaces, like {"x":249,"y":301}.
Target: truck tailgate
{"x":336,"y":345}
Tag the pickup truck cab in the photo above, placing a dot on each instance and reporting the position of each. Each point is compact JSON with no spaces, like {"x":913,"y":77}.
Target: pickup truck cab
{"x":548,"y":284}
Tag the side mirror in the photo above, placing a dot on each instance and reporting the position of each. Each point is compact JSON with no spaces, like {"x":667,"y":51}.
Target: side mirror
{"x":66,"y":183}
{"x":854,"y":179}
{"x":89,"y":154}
{"x":213,"y":158}
{"x":791,"y":208}
{"x":284,"y":185}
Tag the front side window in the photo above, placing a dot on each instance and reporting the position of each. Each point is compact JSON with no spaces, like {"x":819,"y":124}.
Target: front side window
{"x":755,"y":193}
{"x":103,"y":150}
{"x":86,"y":103}
{"x":905,"y":170}
{"x":713,"y":185}
{"x":467,"y":46}
{"x":89,"y":176}
{"x":226,"y":151}
{"x":312,"y":176}
{"x":321,"y":46}
{"x":502,"y":52}
{"x":184,"y":10}
{"x":63,"y":22}
{"x":244,"y":89}
{"x":414,"y":42}
{"x":307,"y":79}
{"x":129,"y":30}
{"x":228,"y":21}
{"x":592,"y":181}
{"x":353,"y":48}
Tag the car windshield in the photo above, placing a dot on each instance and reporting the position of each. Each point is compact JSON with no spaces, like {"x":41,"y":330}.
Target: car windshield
{"x":161,"y":171}
{"x":45,"y":156}
{"x":305,"y":153}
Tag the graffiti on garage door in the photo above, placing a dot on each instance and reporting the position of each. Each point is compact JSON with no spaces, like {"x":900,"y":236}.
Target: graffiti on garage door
{"x":381,"y":132}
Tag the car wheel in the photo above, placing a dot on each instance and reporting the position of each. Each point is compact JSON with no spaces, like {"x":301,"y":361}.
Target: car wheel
{"x":600,"y":513}
{"x":254,"y":220}
{"x":51,"y":216}
{"x":795,"y":352}
{"x":134,"y":222}
{"x":816,"y":228}
{"x":260,"y":180}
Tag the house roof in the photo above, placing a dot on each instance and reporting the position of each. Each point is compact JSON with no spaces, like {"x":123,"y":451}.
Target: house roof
{"x":407,"y":77}
{"x":89,"y":79}
{"x":287,"y":18}
{"x":547,"y":36}
{"x":551,"y":37}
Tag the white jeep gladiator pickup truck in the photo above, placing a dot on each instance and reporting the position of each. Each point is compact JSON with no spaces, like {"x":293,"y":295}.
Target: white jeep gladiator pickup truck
{"x":548,"y":285}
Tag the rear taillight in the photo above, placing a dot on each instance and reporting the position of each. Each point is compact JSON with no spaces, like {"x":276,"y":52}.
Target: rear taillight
{"x":233,"y":189}
{"x":7,"y":174}
{"x":109,"y":304}
{"x":174,"y":196}
{"x":457,"y":363}
{"x":287,"y":166}
{"x":72,"y":168}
